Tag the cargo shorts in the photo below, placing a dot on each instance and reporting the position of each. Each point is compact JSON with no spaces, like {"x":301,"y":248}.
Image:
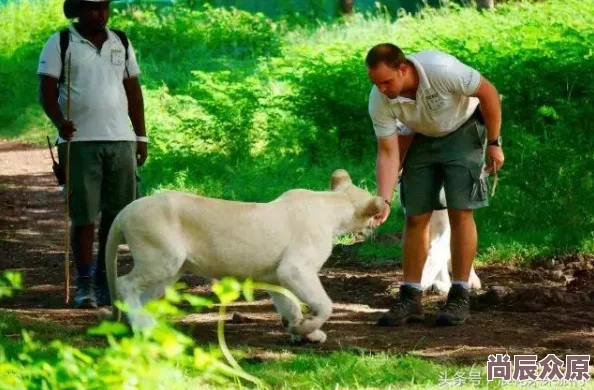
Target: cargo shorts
{"x":446,"y":172}
{"x":102,"y":178}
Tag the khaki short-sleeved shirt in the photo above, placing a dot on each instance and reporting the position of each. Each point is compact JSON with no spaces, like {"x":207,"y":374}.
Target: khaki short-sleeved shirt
{"x":443,"y":100}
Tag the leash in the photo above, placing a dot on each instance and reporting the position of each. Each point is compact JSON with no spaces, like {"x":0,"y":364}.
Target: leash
{"x":67,"y":211}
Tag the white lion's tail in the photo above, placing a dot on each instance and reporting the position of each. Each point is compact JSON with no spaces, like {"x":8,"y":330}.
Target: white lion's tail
{"x":114,"y":239}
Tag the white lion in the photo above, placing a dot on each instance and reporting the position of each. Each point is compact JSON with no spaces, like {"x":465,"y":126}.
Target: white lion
{"x":438,"y":263}
{"x":285,"y":242}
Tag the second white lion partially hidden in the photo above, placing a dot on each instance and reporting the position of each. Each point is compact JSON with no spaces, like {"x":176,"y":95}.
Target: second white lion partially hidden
{"x":439,"y":263}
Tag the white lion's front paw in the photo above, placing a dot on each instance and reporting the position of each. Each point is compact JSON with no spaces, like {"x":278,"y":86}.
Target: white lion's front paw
{"x":304,"y":326}
{"x":316,"y":337}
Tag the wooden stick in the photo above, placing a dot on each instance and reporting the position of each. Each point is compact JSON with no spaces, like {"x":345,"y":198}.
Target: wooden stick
{"x":67,"y":216}
{"x":495,"y":178}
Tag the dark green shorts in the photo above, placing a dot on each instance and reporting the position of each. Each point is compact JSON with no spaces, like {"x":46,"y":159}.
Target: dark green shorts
{"x":102,"y":178}
{"x":451,"y":165}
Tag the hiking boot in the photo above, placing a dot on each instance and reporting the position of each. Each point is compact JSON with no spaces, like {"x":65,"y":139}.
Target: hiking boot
{"x":85,"y":293}
{"x":408,"y":308}
{"x":102,"y":293}
{"x":457,"y":308}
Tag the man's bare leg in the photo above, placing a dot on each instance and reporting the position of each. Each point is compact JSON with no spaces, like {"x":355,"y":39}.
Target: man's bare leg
{"x":463,"y":247}
{"x":416,"y":247}
{"x":463,"y":243}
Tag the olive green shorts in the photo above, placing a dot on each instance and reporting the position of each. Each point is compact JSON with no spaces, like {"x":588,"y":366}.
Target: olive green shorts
{"x":102,"y":178}
{"x":445,"y":172}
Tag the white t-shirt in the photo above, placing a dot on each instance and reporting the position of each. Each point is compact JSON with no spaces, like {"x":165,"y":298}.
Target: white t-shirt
{"x":98,"y":101}
{"x":443,"y":100}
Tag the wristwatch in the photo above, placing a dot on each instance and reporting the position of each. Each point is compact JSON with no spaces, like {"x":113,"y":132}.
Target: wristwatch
{"x":494,"y":142}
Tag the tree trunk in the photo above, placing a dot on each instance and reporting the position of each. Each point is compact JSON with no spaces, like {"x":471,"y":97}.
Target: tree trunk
{"x":485,"y":4}
{"x":345,"y":7}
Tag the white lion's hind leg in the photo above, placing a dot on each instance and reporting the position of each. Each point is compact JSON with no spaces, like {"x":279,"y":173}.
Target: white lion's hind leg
{"x":154,"y":268}
{"x":129,"y":291}
{"x":157,"y":290}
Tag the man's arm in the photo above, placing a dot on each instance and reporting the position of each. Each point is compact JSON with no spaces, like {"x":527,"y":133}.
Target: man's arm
{"x":135,"y":105}
{"x":460,"y":79}
{"x":48,"y":97}
{"x":490,"y":106}
{"x":387,"y":168}
{"x":136,"y":113}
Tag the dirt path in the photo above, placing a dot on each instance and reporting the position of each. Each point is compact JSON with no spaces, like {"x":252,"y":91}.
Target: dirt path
{"x":536,"y":311}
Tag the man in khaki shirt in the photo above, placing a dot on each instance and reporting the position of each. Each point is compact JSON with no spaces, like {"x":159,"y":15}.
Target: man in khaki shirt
{"x":101,"y":127}
{"x":454,"y":114}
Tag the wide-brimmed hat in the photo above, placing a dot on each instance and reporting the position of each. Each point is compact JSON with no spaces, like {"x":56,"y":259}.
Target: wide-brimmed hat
{"x":71,"y":7}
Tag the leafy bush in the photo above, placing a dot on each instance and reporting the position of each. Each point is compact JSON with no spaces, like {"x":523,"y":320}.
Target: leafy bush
{"x":217,"y":31}
{"x":154,"y":356}
{"x":9,"y":281}
{"x":159,"y":356}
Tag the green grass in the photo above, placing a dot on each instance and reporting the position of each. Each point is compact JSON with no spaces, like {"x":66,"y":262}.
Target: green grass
{"x":11,"y":328}
{"x":352,"y":370}
{"x":284,"y":369}
{"x":347,"y":369}
{"x":361,"y":370}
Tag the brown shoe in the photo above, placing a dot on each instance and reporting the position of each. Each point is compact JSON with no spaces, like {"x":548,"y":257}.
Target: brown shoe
{"x":457,"y":308}
{"x":408,"y":308}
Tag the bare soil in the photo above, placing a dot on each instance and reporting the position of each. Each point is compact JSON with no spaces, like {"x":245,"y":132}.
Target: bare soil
{"x":546,"y":308}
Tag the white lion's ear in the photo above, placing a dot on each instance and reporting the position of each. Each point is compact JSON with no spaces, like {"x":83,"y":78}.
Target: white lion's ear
{"x":371,"y":207}
{"x":340,"y":178}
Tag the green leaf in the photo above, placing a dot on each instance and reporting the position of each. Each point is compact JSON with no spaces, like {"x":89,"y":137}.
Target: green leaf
{"x":162,"y":308}
{"x":248,"y":290}
{"x":227,"y":290}
{"x":107,"y":328}
{"x":202,"y":360}
{"x":197,"y":301}
{"x":172,"y":295}
{"x":14,"y":278}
